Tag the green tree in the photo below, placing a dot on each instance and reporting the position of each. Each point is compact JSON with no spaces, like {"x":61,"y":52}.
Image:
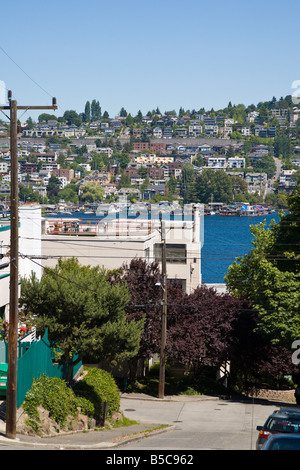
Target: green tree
{"x":266,"y":165}
{"x":172,"y":183}
{"x":27,"y":194}
{"x":83,"y":312}
{"x":282,"y":145}
{"x":143,"y":171}
{"x":46,"y":117}
{"x":71,"y":117}
{"x":53,"y":188}
{"x":69,"y":193}
{"x":269,"y":276}
{"x":97,"y":162}
{"x":186,"y":181}
{"x":124,"y":182}
{"x":91,"y":192}
{"x":123,"y":112}
{"x":122,"y":159}
{"x":87,"y":112}
{"x":230,"y":153}
{"x":217,"y":183}
{"x":95,"y":110}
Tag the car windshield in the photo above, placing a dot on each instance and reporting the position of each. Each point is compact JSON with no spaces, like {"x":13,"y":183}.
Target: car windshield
{"x":285,"y":444}
{"x":284,"y":424}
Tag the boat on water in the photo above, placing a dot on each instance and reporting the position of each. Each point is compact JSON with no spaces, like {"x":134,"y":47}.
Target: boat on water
{"x":254,"y":211}
{"x":245,"y":211}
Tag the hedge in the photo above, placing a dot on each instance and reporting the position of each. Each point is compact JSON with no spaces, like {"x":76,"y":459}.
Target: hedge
{"x":97,"y":387}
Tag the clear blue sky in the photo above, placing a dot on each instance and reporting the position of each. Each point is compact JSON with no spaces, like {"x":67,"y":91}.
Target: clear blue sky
{"x":141,"y":55}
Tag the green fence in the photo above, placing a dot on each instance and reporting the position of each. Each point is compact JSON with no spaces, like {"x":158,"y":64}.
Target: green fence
{"x":35,"y":360}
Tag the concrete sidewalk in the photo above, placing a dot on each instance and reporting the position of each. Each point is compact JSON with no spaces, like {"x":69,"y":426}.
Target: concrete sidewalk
{"x":101,"y":438}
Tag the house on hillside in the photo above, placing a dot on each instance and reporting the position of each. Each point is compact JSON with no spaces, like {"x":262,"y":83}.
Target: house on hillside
{"x":155,"y":190}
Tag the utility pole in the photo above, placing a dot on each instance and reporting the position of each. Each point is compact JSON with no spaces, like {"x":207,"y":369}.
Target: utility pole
{"x":162,"y":366}
{"x":11,"y":394}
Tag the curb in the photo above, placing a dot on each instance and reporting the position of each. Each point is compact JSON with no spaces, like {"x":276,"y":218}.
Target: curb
{"x":100,"y":445}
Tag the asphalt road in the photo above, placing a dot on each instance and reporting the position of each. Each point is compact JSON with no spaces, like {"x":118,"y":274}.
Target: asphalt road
{"x":211,"y":424}
{"x":197,"y":424}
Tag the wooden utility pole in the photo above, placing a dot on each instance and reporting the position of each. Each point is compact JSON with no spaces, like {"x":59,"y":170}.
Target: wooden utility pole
{"x":162,"y":366}
{"x":11,"y":393}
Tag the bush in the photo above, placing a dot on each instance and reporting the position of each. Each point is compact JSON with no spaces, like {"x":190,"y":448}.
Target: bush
{"x":154,"y":370}
{"x":53,"y":395}
{"x":97,"y":387}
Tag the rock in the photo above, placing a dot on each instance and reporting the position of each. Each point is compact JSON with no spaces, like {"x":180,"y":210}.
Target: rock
{"x":116,"y":416}
{"x":46,"y":426}
{"x":285,"y":396}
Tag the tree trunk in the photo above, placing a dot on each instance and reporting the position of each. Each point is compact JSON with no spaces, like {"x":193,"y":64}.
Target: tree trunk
{"x":71,"y":364}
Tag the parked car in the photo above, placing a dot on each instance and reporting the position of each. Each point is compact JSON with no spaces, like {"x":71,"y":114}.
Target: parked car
{"x":282,"y":421}
{"x":282,"y":442}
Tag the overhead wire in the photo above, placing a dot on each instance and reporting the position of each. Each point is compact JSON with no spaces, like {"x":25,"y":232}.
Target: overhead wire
{"x":27,"y":75}
{"x":136,"y":306}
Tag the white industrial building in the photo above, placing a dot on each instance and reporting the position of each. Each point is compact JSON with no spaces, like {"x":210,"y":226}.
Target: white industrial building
{"x":117,"y":239}
{"x":29,"y":245}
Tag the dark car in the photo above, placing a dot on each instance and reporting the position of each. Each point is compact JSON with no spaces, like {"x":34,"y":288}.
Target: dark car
{"x":282,"y":442}
{"x":283,"y":421}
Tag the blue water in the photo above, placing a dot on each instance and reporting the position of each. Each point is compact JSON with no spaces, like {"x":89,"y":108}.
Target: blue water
{"x":226,"y":238}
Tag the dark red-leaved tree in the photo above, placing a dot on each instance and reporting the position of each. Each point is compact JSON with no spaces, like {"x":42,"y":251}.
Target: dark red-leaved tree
{"x":200,"y":327}
{"x":145,"y":302}
{"x":204,"y":328}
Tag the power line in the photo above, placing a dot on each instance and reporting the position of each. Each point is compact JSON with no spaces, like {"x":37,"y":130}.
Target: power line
{"x":241,"y":309}
{"x":27,"y":75}
{"x":30,"y":78}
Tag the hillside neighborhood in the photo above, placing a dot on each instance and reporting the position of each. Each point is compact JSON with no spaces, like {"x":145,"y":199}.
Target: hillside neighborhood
{"x":146,"y":157}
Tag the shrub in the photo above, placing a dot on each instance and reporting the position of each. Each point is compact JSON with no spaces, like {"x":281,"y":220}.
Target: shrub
{"x":53,"y":395}
{"x":154,"y":370}
{"x":97,"y":387}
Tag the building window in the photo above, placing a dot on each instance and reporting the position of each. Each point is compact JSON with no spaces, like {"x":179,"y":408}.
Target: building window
{"x":178,"y":282}
{"x":175,"y":253}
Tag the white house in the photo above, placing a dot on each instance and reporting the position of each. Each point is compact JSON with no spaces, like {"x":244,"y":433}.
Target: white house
{"x":157,"y":132}
{"x":246,"y":131}
{"x":195,"y":130}
{"x":236,"y":162}
{"x":217,"y":163}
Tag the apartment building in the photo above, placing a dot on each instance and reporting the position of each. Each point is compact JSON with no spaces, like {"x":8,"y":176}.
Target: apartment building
{"x":236,"y":162}
{"x":217,"y":163}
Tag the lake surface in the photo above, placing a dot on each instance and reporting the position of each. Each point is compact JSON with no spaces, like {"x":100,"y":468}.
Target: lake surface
{"x":226,"y":238}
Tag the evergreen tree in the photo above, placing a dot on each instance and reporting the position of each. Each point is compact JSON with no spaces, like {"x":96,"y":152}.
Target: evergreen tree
{"x":87,"y":112}
{"x":95,"y":110}
{"x":282,"y":145}
{"x":83,"y":312}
